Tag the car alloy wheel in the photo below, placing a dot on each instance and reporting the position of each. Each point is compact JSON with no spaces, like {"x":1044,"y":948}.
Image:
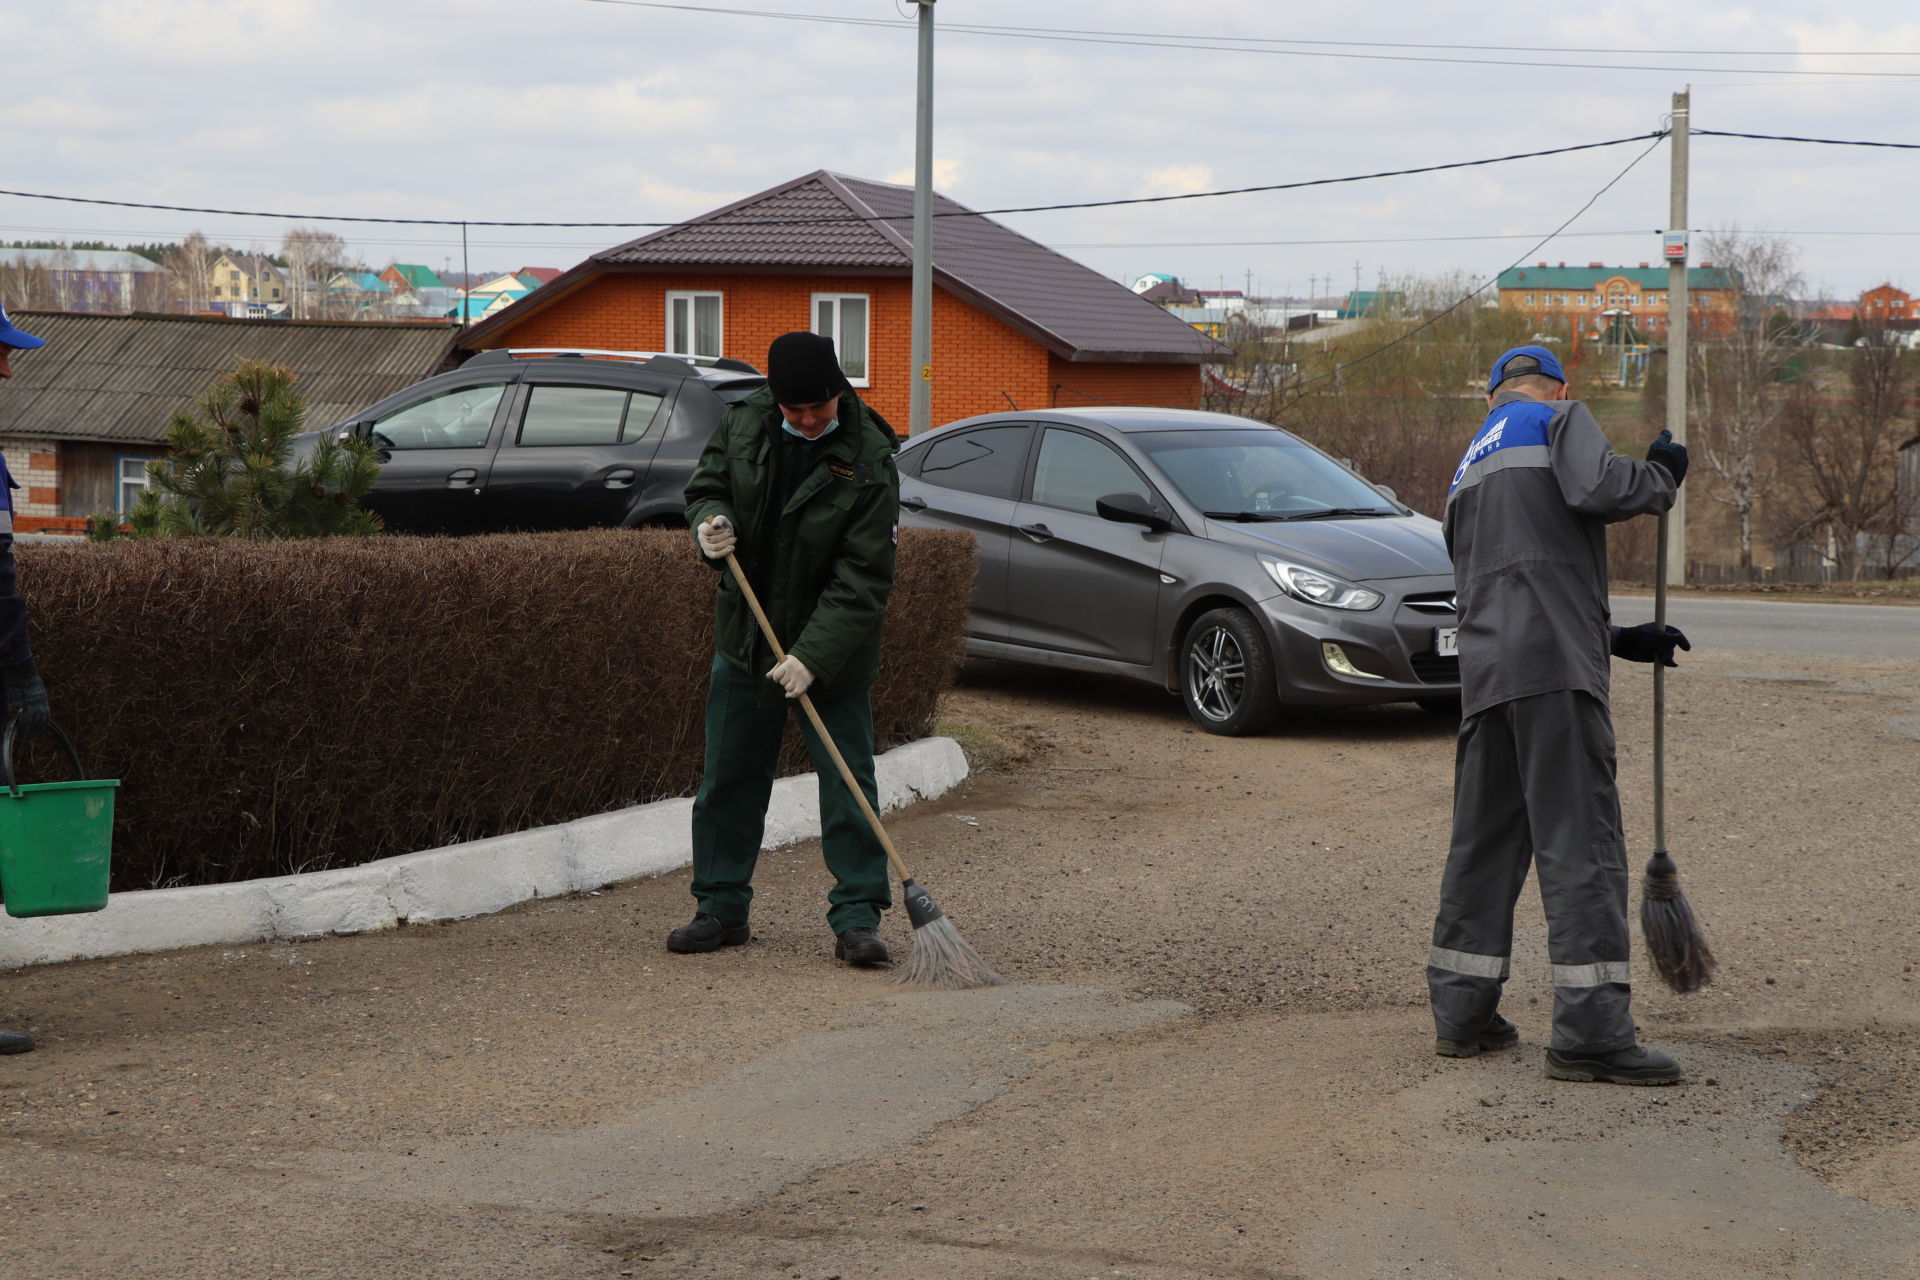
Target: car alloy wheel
{"x":1226,"y":675}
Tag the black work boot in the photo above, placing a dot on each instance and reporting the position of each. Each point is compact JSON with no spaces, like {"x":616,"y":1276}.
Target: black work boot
{"x":1634,"y":1065}
{"x":860,"y":945}
{"x":1498,"y":1034}
{"x":707,"y":933}
{"x":15,"y":1042}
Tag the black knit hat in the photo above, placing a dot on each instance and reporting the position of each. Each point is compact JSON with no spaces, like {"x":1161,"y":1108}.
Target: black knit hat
{"x":803,"y":369}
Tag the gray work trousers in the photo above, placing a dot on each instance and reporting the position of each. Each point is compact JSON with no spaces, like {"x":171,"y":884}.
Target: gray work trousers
{"x":1534,"y":783}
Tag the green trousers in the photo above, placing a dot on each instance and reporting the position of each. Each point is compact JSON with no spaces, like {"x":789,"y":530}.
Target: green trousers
{"x":730,"y":811}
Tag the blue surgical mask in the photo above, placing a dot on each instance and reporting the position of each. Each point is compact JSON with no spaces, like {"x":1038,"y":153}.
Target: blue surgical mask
{"x":792,"y":430}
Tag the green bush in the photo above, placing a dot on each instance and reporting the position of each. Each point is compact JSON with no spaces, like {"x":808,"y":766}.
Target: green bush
{"x":226,"y":470}
{"x":281,"y":706}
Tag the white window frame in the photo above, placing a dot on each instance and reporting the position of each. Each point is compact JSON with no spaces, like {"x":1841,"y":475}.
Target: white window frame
{"x":123,"y":482}
{"x":838,"y":333}
{"x":692,"y":298}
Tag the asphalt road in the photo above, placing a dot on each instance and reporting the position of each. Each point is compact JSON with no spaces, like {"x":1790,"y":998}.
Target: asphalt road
{"x":1767,"y":626}
{"x":1214,"y":1060}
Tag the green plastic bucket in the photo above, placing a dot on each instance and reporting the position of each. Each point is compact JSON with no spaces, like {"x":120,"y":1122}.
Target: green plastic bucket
{"x":56,"y":839}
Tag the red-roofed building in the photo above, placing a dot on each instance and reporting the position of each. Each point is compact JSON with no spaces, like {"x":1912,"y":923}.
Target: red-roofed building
{"x":1885,"y":303}
{"x":1015,"y":324}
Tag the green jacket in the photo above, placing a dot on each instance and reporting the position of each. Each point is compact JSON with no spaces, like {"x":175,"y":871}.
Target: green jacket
{"x":832,"y":567}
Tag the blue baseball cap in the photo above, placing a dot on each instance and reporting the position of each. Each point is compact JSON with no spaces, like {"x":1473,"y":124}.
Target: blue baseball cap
{"x":12,"y":337}
{"x":1543,"y":362}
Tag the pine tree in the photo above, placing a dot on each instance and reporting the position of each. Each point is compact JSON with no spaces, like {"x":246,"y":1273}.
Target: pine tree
{"x":226,"y":474}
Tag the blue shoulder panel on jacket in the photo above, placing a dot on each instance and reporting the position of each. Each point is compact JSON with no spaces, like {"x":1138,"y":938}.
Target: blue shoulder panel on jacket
{"x":1508,"y":426}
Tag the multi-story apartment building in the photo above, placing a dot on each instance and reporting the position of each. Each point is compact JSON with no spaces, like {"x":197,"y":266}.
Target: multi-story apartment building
{"x":1591,"y":301}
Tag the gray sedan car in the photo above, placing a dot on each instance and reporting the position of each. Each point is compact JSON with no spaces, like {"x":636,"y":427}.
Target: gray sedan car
{"x":1224,"y":559}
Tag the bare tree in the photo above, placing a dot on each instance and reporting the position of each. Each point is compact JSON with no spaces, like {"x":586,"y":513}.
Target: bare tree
{"x":312,"y":257}
{"x":191,"y":264}
{"x":1740,"y":390}
{"x":1401,"y":395}
{"x":23,"y":285}
{"x":1845,"y":453}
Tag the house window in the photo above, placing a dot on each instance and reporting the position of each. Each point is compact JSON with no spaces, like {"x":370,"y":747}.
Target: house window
{"x":844,"y":318}
{"x":1529,"y":301}
{"x":693,"y":324}
{"x":233,"y":275}
{"x":1563,"y":299}
{"x":1634,"y":300}
{"x":132,"y":482}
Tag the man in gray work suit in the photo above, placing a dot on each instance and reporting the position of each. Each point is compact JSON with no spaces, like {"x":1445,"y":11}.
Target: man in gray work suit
{"x":1534,"y":774}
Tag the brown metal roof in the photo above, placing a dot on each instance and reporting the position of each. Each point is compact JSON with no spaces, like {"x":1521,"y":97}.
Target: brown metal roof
{"x":1068,"y":308}
{"x":121,"y":377}
{"x":719,"y":237}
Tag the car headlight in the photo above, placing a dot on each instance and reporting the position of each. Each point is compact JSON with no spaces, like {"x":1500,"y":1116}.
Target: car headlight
{"x":1315,"y":587}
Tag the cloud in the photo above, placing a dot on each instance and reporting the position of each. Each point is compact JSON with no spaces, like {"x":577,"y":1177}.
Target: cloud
{"x":595,"y":112}
{"x":946,"y":176}
{"x":1179,"y":180}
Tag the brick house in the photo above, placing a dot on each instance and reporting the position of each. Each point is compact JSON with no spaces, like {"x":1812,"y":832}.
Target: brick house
{"x":1563,"y":299}
{"x":1015,"y":324}
{"x":1877,"y":306}
{"x":82,"y":416}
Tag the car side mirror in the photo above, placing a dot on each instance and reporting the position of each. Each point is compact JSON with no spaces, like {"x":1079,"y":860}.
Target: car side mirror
{"x":1131,"y":508}
{"x":356,"y":431}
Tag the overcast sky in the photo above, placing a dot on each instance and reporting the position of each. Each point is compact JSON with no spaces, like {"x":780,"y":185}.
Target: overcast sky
{"x":579,"y":110}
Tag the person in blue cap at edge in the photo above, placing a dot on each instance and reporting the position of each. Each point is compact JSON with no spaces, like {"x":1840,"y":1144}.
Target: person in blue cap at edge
{"x":1534,"y":768}
{"x":26,"y":696}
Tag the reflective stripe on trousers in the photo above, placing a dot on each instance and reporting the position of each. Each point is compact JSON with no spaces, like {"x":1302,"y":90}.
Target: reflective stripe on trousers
{"x":1534,"y":787}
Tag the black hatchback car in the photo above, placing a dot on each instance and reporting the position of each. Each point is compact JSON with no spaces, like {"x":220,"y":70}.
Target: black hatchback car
{"x":1223,"y":559}
{"x":545,"y":438}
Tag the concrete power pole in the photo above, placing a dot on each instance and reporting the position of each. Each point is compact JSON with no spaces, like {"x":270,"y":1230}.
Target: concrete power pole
{"x":920,"y":400}
{"x":1678,"y":316}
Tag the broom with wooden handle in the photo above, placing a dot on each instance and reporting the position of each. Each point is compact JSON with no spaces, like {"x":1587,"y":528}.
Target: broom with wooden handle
{"x":1676,"y":942}
{"x":941,"y":957}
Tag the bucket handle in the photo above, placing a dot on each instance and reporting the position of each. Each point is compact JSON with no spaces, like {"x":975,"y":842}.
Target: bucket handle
{"x":6,"y":754}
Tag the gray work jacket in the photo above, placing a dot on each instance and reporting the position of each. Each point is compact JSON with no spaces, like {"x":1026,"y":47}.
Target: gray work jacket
{"x":1526,"y":527}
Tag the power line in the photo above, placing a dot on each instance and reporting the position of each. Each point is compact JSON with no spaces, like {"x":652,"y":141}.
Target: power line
{"x":1264,"y":244}
{"x":1220,"y":44}
{"x":1484,"y":285}
{"x":1824,"y":142}
{"x":810,"y":222}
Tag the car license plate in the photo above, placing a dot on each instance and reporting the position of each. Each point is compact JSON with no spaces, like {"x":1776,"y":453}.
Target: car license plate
{"x":1446,"y":641}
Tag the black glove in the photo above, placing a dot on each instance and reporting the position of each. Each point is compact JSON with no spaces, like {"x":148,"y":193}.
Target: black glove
{"x":1669,"y":454}
{"x":26,"y":695}
{"x":1648,"y":642}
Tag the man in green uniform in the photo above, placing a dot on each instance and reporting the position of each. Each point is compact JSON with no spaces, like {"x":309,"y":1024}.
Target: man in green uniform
{"x":798,"y":483}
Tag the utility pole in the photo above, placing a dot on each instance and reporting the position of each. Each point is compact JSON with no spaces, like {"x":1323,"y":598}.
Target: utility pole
{"x":920,"y":400}
{"x":1678,"y":316}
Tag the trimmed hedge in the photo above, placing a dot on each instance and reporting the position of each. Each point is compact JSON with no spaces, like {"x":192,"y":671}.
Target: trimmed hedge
{"x":275,"y":707}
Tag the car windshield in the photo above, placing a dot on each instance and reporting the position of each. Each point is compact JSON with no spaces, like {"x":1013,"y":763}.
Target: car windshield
{"x":1260,"y":474}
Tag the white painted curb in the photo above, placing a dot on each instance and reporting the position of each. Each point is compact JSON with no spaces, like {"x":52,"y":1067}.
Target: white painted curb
{"x":453,"y":883}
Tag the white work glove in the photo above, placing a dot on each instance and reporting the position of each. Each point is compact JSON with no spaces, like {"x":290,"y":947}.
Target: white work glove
{"x":792,"y":675}
{"x":716,"y":537}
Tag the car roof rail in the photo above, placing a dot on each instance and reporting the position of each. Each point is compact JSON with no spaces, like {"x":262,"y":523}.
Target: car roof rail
{"x":686,"y":364}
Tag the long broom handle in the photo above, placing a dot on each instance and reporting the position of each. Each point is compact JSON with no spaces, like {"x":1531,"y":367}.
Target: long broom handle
{"x":1660,"y":699}
{"x":819,"y":727}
